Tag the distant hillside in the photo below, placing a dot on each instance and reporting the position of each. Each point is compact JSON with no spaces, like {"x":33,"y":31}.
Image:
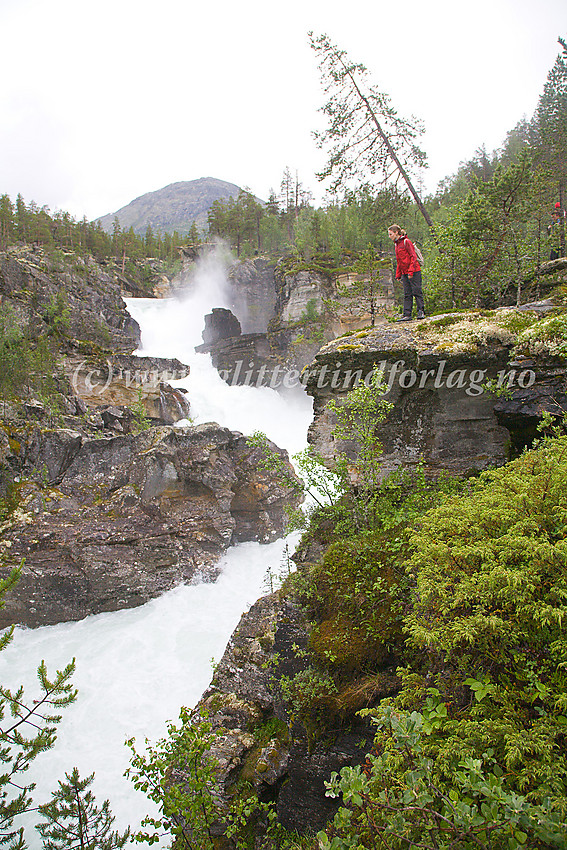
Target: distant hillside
{"x":175,"y":207}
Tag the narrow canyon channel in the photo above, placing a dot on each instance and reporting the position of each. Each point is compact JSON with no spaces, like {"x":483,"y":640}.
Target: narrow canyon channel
{"x":137,"y":667}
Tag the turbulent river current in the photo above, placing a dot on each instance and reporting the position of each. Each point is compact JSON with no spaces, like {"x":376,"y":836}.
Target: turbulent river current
{"x":137,"y":667}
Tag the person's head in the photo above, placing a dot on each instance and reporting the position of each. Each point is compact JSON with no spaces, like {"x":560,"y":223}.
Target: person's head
{"x":395,"y":231}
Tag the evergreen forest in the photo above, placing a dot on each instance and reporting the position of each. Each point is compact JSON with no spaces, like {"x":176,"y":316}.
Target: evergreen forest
{"x":490,"y":243}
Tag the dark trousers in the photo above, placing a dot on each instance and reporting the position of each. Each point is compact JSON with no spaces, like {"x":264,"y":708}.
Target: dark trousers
{"x":412,"y":289}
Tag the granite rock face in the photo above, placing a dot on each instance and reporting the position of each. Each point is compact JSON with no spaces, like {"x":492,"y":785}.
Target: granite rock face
{"x":109,"y":523}
{"x":253,"y":293}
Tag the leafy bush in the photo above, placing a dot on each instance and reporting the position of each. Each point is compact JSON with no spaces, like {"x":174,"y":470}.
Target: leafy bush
{"x":180,"y":774}
{"x":396,"y":801}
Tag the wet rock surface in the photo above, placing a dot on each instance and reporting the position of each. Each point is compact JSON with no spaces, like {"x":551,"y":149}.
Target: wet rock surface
{"x":108,"y":523}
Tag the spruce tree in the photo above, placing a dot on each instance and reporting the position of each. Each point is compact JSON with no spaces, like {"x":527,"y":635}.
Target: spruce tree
{"x":72,"y":820}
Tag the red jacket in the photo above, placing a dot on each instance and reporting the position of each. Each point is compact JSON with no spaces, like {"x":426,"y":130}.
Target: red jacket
{"x":406,"y":258}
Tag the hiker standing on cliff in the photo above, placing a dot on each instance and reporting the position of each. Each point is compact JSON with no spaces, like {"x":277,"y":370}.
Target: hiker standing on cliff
{"x":408,"y":271}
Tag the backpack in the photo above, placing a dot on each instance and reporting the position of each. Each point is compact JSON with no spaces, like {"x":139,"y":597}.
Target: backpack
{"x":419,"y":255}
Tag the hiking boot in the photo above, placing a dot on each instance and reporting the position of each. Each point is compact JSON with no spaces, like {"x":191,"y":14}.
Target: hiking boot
{"x":420,"y":315}
{"x":404,"y":319}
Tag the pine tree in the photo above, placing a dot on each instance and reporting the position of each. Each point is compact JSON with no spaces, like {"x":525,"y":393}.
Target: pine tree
{"x":551,"y":116}
{"x":6,"y":220}
{"x":366,"y":136}
{"x":72,"y":820}
{"x":27,"y":728}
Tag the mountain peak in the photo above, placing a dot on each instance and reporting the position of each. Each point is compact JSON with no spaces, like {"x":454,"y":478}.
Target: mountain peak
{"x":175,"y":207}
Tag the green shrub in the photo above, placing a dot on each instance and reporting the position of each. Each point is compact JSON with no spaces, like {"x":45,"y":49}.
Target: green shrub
{"x":397,"y":800}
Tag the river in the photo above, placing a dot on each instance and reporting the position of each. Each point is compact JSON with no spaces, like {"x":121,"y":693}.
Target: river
{"x":137,"y":667}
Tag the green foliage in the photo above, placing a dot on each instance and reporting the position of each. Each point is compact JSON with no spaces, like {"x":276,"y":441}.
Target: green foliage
{"x":59,"y":234}
{"x":140,"y":416}
{"x":311,"y":314}
{"x":72,"y":819}
{"x":238,"y":221}
{"x":485,"y":244}
{"x":307,"y":695}
{"x":398,"y":801}
{"x":489,"y":614}
{"x":13,"y":368}
{"x":57,"y":314}
{"x":355,"y":600}
{"x":357,"y":417}
{"x":490,"y":565}
{"x":355,"y":596}
{"x":27,"y":728}
{"x":26,"y":364}
{"x":319,"y":484}
{"x":179,"y":774}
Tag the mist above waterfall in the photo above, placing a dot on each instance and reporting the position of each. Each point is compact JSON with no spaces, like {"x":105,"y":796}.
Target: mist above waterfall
{"x":172,"y":327}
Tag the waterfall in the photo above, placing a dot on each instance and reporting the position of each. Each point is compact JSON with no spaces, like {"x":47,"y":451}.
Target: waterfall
{"x":137,"y":667}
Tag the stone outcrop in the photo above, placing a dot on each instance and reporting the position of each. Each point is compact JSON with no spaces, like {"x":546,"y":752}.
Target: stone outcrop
{"x":245,"y":359}
{"x":220,"y":324}
{"x":443,"y":414}
{"x":130,"y":383}
{"x":78,"y":292}
{"x":109,"y":523}
{"x":243,"y":699}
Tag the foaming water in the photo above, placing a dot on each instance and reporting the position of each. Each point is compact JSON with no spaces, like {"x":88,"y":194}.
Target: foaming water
{"x":136,"y":668}
{"x":169,"y":329}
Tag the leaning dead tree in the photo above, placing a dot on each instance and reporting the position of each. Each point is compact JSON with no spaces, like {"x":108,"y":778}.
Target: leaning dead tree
{"x":365,"y":135}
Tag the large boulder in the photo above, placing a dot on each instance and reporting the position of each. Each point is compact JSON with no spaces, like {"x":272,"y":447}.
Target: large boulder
{"x":220,"y":324}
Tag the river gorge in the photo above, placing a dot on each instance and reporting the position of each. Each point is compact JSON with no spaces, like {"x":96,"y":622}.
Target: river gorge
{"x":137,"y":667}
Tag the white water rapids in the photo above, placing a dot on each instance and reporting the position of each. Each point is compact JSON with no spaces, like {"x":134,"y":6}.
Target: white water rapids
{"x":137,"y":667}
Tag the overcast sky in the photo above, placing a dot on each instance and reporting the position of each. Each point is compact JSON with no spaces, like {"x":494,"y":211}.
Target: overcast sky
{"x":103,"y":101}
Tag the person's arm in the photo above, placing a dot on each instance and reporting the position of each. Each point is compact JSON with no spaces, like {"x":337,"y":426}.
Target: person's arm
{"x":398,"y":270}
{"x":414,"y":262}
